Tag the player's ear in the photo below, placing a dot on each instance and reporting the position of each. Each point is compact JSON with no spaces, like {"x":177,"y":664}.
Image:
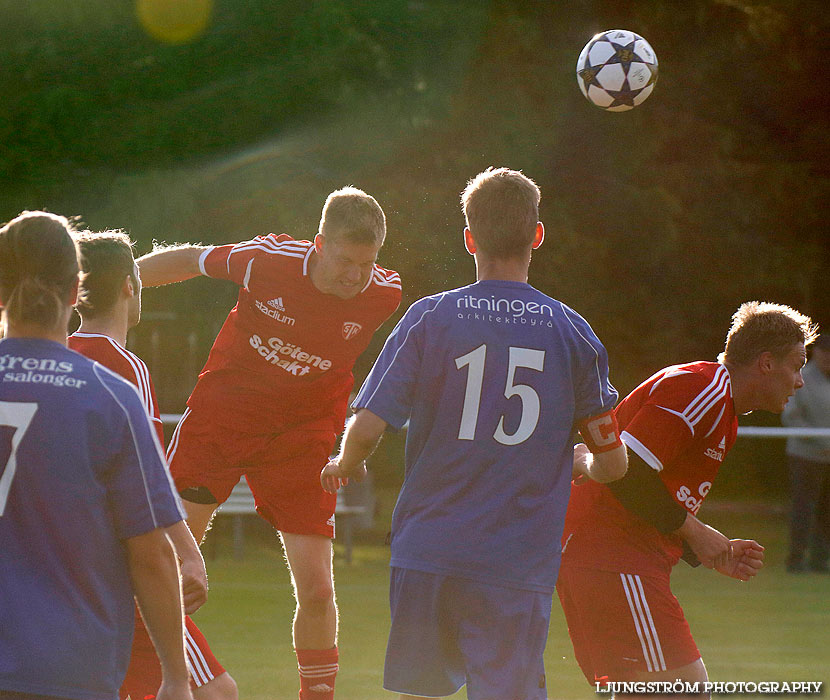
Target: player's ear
{"x":319,"y":240}
{"x":469,"y":243}
{"x":129,"y":287}
{"x":766,"y":362}
{"x":540,"y":235}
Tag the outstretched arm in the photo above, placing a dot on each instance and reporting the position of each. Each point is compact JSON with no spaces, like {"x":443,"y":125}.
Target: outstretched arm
{"x":170,"y":264}
{"x":362,"y":436}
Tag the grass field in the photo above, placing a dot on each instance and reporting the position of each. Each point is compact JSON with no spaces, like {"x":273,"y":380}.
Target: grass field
{"x":776,"y":627}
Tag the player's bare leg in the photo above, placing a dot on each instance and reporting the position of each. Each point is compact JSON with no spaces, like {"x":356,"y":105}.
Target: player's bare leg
{"x":315,"y":619}
{"x":199,"y":516}
{"x":694,"y":672}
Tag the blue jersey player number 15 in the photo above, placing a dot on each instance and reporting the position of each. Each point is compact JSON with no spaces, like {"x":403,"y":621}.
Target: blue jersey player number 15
{"x":518,"y":357}
{"x":487,"y":399}
{"x":492,"y":379}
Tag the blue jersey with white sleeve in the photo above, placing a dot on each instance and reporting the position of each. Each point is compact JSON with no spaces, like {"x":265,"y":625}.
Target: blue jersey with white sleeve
{"x":81,"y":469}
{"x":492,"y":378}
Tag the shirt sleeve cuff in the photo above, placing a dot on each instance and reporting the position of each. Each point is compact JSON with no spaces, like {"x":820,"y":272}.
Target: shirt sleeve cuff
{"x":389,"y":415}
{"x":641,"y":451}
{"x":202,"y":258}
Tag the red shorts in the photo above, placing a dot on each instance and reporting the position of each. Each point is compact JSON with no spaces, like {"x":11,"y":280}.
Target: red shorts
{"x":621,"y":624}
{"x":282,"y":469}
{"x":144,"y":674}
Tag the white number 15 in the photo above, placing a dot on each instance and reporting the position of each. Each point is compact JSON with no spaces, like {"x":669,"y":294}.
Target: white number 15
{"x":518,"y":357}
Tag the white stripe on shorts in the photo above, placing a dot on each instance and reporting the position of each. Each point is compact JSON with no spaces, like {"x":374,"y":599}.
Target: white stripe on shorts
{"x":174,"y":440}
{"x":643,"y":622}
{"x":196,"y":662}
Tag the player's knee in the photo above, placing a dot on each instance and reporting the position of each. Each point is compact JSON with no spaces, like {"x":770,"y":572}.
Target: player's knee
{"x":222,"y":687}
{"x":695,"y":671}
{"x":228,"y":688}
{"x":317,"y":595}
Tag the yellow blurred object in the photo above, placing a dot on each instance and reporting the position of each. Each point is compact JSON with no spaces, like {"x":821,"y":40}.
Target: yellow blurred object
{"x":174,"y":21}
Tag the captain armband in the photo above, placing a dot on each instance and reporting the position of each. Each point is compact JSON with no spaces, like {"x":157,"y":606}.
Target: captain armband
{"x":600,"y":433}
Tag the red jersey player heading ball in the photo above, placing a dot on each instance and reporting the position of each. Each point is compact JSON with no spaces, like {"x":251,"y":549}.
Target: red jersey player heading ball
{"x":274,"y":393}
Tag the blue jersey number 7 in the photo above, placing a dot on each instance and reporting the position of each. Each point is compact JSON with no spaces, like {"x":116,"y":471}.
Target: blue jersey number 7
{"x":18,"y":416}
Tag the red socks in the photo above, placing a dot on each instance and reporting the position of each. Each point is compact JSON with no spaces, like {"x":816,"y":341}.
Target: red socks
{"x":318,"y":669}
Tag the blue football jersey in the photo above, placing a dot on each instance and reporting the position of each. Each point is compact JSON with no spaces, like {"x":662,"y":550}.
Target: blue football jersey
{"x":81,"y":469}
{"x":492,"y":378}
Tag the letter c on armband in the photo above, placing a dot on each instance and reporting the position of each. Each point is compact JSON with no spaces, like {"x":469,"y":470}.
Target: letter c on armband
{"x":600,"y":433}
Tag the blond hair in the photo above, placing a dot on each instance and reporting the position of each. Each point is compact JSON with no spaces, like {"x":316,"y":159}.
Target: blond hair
{"x":352,"y":215}
{"x":38,"y":267}
{"x":760,"y":326}
{"x":501,"y":208}
{"x":106,"y":259}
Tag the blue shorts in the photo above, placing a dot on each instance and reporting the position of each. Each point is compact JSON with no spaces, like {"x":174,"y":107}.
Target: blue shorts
{"x":448,"y":631}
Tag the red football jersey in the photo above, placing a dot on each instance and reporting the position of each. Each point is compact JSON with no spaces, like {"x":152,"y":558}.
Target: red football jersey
{"x":286,"y":351}
{"x":113,"y":356}
{"x":681,"y":422}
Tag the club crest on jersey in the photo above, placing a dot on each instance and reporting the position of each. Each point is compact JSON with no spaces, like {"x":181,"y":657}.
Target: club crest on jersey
{"x":351,"y":329}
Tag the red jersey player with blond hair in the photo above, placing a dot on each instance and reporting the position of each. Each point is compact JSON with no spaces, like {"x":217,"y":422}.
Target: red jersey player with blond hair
{"x":274,"y":392}
{"x":109,"y":304}
{"x":621,"y":540}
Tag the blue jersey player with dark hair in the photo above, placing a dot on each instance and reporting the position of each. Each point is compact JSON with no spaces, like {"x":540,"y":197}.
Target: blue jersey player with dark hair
{"x":84,"y":494}
{"x":493,"y":378}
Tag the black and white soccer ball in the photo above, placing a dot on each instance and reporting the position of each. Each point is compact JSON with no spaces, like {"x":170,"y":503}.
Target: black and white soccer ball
{"x":617,"y":70}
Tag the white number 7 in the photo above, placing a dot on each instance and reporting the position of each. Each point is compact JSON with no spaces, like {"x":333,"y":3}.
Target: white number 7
{"x":17,"y":416}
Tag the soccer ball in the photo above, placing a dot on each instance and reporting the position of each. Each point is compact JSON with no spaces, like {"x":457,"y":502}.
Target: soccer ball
{"x":617,"y":70}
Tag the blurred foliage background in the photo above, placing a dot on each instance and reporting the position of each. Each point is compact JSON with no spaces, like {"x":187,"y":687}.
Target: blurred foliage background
{"x":216,"y":120}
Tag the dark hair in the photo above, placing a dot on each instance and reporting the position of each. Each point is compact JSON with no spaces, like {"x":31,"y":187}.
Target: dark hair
{"x":501,"y":207}
{"x":759,"y":326}
{"x":106,"y":259}
{"x":38,"y":266}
